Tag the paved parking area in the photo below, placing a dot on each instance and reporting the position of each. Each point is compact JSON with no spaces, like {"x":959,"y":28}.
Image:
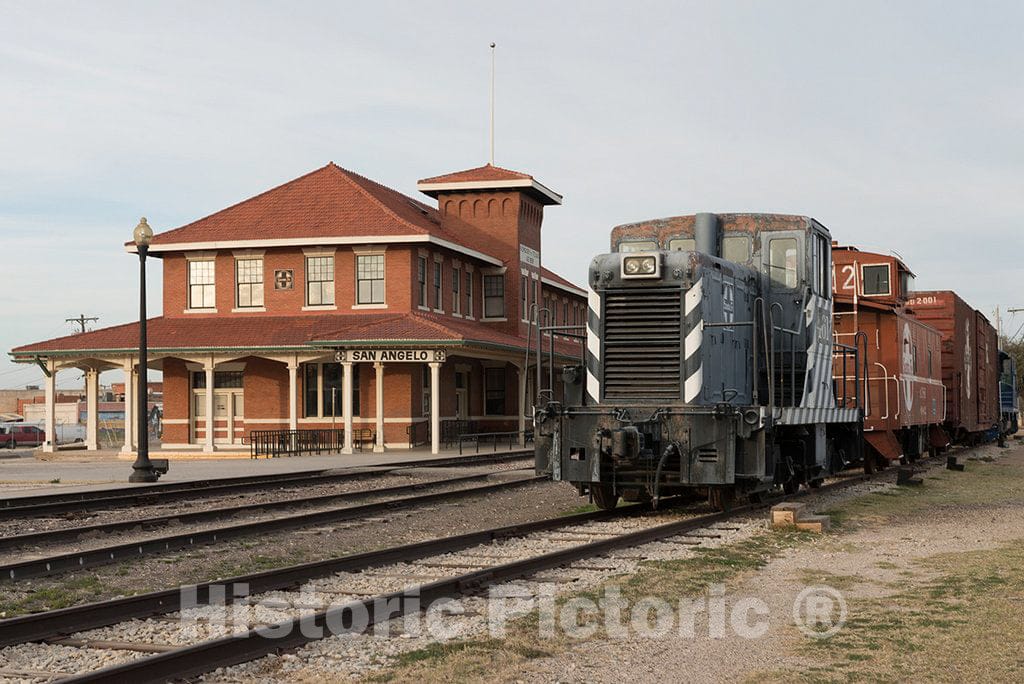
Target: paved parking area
{"x":26,"y":475}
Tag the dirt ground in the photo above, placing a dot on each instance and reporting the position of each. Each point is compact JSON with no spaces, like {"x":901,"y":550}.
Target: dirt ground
{"x":922,"y":584}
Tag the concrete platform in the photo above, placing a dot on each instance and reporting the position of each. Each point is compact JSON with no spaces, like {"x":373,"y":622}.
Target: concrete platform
{"x":81,"y":471}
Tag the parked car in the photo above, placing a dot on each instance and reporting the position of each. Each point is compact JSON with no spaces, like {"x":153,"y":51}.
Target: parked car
{"x":14,"y":436}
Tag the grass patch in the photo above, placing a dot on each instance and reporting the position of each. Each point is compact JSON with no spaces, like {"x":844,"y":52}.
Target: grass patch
{"x":966,"y":619}
{"x":492,"y":659}
{"x":67,"y":593}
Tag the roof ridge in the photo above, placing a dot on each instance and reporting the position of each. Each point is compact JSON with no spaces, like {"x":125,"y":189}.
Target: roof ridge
{"x":347,"y":175}
{"x":249,"y":199}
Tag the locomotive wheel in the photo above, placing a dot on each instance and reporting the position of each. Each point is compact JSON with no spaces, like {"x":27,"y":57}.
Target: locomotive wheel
{"x":721,"y":498}
{"x":790,"y":486}
{"x":814,"y":484}
{"x":604,"y":496}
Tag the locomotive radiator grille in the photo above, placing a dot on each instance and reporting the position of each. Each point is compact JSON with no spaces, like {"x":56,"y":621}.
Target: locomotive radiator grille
{"x":642,"y":343}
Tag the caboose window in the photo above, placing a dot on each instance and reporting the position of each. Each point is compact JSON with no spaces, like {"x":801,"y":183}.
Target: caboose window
{"x":638,"y":246}
{"x":682,"y":244}
{"x":782,"y":262}
{"x":736,"y":248}
{"x":875,"y":279}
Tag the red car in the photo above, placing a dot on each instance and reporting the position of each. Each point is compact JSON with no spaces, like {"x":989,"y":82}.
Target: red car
{"x":14,"y":436}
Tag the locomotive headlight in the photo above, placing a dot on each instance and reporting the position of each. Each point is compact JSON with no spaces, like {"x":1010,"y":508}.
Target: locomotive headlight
{"x":640,"y":266}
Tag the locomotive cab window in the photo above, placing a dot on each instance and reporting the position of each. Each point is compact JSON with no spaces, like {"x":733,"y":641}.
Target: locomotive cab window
{"x":736,"y":248}
{"x":875,"y":279}
{"x":638,"y":246}
{"x":782,"y":262}
{"x":906,"y":283}
{"x":682,"y":244}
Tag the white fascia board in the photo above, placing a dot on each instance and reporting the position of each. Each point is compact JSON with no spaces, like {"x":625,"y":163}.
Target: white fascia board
{"x":315,"y":242}
{"x":428,"y":188}
{"x":573,"y":290}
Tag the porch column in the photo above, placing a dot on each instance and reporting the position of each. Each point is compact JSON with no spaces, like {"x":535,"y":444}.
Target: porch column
{"x":435,"y":409}
{"x":521,"y":403}
{"x":210,"y":428}
{"x":50,"y":445}
{"x":129,"y":413}
{"x":92,"y":419}
{"x":378,"y":444}
{"x":293,"y":395}
{"x":346,"y":404}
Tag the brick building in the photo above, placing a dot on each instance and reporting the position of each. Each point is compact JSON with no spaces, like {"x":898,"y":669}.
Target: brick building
{"x":333,"y":301}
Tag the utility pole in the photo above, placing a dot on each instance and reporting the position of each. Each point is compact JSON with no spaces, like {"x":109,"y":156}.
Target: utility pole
{"x":82,"y":320}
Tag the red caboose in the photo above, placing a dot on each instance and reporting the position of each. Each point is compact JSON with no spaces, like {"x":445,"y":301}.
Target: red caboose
{"x":903,"y":388}
{"x":970,"y":363}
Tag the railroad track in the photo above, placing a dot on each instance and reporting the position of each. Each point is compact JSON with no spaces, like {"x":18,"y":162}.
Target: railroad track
{"x":69,"y":502}
{"x":401,"y":578}
{"x":38,"y":566}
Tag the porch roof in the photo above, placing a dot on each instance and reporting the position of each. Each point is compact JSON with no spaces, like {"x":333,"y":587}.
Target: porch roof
{"x":282,"y":333}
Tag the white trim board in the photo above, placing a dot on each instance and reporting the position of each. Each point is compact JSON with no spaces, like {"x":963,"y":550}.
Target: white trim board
{"x":314,"y":242}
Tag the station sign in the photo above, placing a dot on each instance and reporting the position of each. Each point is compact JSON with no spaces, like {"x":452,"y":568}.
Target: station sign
{"x":529,"y":256}
{"x":390,"y":355}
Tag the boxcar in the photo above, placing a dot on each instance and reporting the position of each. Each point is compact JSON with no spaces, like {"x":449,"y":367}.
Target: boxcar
{"x":905,"y":396}
{"x":970,"y":363}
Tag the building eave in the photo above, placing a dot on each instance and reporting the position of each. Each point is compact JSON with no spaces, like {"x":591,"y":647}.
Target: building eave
{"x":547,"y":195}
{"x":162,"y":248}
{"x":562,"y":286}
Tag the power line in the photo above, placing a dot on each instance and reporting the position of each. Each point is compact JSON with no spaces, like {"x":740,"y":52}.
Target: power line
{"x":82,"y":320}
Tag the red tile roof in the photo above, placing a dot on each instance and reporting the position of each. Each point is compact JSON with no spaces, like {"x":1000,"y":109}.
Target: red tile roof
{"x":487,"y":172}
{"x":488,"y":177}
{"x":328,"y":202}
{"x":292,"y":332}
{"x":554,"y":277}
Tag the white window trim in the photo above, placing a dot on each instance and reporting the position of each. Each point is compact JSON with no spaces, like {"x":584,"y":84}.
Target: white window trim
{"x":318,"y":252}
{"x":199,"y":256}
{"x":368,"y":252}
{"x":249,"y":255}
{"x":438,"y":275}
{"x":363,"y":250}
{"x":887,"y":293}
{"x":484,"y":272}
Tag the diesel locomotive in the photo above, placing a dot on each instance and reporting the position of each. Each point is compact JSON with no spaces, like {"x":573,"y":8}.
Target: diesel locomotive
{"x":708,"y":365}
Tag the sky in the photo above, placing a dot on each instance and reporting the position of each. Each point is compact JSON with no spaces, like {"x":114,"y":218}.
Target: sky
{"x":900,"y":126}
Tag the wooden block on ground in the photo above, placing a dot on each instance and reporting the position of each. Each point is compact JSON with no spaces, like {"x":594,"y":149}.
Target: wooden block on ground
{"x":787,"y":513}
{"x":814,"y":523}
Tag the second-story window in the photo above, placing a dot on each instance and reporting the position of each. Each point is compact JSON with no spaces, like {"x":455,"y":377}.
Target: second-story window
{"x":438,"y":304}
{"x":201,"y":287}
{"x":494,"y":296}
{"x":319,"y":280}
{"x":421,"y":279}
{"x":523,"y":282}
{"x":469,"y":294}
{"x":248,"y":283}
{"x":370,"y":279}
{"x":456,"y":301}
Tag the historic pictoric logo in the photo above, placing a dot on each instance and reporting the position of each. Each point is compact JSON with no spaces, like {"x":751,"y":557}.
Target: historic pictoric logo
{"x":284,"y":279}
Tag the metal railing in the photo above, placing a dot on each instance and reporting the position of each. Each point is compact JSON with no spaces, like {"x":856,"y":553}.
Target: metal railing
{"x":495,"y":438}
{"x":275,"y":443}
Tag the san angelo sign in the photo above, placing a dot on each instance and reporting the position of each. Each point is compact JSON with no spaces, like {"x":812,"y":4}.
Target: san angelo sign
{"x":390,"y":355}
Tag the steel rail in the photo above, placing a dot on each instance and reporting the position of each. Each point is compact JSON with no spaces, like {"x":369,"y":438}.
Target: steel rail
{"x":66,"y":502}
{"x":209,"y":655}
{"x":63,"y":621}
{"x":206,"y":656}
{"x":148,"y":524}
{"x":38,"y":567}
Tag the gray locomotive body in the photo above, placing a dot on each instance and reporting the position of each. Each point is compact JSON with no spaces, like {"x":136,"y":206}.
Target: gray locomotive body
{"x":708,"y":366}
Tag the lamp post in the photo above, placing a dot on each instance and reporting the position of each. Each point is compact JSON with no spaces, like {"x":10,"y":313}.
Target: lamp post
{"x":142,"y":469}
